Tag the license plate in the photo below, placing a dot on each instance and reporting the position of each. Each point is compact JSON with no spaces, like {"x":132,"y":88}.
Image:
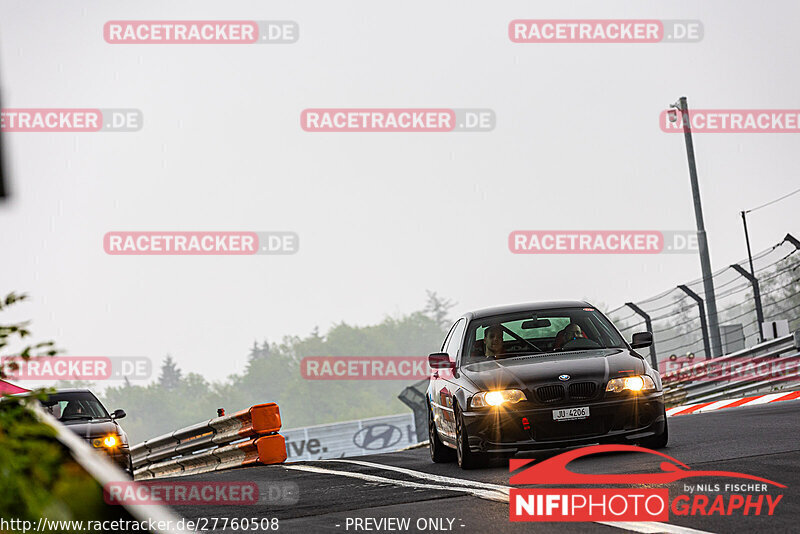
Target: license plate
{"x":569,"y":414}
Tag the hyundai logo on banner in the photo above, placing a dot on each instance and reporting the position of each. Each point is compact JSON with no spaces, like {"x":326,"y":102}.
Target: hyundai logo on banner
{"x":377,"y":437}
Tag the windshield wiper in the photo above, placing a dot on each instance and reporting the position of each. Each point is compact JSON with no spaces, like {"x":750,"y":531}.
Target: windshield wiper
{"x":70,"y":417}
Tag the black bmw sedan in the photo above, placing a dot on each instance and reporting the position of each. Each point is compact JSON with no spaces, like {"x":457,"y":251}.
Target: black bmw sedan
{"x":540,"y":376}
{"x":82,"y":413}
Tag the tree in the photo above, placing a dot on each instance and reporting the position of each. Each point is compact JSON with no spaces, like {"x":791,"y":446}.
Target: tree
{"x":438,"y":309}
{"x":780,"y":292}
{"x":170,"y":377}
{"x":259,"y":352}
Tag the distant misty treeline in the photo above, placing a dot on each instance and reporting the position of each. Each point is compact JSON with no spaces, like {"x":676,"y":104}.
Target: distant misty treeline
{"x":273,"y":374}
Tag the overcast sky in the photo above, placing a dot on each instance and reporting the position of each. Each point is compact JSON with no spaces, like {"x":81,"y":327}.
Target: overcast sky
{"x":381,"y":217}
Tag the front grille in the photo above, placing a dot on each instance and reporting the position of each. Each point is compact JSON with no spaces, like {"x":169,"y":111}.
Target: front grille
{"x":582,"y":390}
{"x":550,"y":393}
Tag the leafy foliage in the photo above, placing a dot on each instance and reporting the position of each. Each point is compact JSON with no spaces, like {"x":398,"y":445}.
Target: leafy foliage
{"x":39,"y":478}
{"x":19,"y":330}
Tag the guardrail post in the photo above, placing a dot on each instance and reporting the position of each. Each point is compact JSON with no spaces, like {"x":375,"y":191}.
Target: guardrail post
{"x":649,"y":324}
{"x":703,"y":324}
{"x":756,"y":297}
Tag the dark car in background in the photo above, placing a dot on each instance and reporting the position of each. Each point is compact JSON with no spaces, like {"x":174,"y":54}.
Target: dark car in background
{"x":540,"y":376}
{"x":82,"y":413}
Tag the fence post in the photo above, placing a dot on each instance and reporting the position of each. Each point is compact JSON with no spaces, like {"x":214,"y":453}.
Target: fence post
{"x":756,"y":297}
{"x":703,"y":324}
{"x":793,"y":240}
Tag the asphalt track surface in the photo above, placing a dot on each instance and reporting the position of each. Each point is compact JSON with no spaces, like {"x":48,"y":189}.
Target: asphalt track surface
{"x":332,"y":494}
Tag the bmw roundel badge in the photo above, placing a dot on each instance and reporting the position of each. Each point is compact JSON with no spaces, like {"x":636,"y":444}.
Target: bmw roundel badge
{"x":564,"y":378}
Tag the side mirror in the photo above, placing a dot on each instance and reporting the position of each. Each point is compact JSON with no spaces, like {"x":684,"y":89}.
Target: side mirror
{"x":641,"y":340}
{"x":440,"y":360}
{"x":118,"y":414}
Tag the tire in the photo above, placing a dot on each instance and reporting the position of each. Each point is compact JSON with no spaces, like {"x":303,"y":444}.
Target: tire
{"x":466,"y":458}
{"x":129,"y":469}
{"x":440,"y":453}
{"x":659,"y":441}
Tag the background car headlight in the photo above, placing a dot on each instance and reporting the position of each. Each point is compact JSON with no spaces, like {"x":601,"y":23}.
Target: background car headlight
{"x":631,"y":383}
{"x":496,"y":398}
{"x":108,"y":442}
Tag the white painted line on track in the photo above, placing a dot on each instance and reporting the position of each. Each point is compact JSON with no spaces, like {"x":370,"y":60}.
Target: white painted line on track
{"x":427,"y":476}
{"x":483,"y":490}
{"x":652,"y":527}
{"x":484,"y":494}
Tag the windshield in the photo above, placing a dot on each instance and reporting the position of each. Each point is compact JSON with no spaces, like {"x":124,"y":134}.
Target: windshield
{"x":540,"y":332}
{"x":74,"y":406}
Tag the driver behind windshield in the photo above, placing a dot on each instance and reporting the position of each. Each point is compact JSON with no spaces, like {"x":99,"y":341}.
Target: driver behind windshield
{"x":570,"y":332}
{"x":493,"y":341}
{"x":73,"y":409}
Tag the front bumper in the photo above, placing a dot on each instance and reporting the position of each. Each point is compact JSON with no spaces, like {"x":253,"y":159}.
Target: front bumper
{"x":119,"y":455}
{"x":626,"y":419}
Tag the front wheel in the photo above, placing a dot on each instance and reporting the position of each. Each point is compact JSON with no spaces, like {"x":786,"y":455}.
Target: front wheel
{"x":440,"y":453}
{"x":466,"y":458}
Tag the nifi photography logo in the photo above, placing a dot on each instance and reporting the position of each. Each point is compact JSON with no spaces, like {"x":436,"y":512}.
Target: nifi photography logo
{"x":644,"y":502}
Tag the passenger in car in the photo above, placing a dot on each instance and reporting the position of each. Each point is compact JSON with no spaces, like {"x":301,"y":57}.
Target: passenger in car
{"x":493,"y":341}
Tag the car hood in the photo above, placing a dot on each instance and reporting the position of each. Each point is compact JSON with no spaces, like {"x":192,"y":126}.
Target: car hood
{"x":93,"y":429}
{"x":524,"y":372}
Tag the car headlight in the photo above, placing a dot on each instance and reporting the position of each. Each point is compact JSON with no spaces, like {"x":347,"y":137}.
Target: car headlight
{"x":109,"y":442}
{"x":631,"y":383}
{"x":496,"y":398}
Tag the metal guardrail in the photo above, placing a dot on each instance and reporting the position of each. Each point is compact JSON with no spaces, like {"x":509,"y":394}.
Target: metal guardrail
{"x":246,"y":437}
{"x":765,"y":366}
